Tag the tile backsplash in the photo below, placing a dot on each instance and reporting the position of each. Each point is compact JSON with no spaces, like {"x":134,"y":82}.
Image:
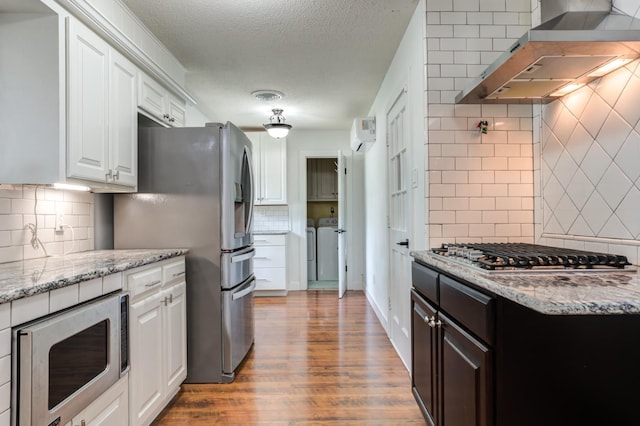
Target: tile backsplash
{"x":271,"y":218}
{"x":480,"y":186}
{"x":17,"y":203}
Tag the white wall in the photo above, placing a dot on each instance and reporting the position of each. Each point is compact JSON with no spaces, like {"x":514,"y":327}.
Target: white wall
{"x":195,"y":118}
{"x":301,"y":143}
{"x":406,"y":71}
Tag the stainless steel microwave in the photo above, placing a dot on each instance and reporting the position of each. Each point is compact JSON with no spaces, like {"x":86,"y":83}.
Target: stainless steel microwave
{"x":64,"y":361}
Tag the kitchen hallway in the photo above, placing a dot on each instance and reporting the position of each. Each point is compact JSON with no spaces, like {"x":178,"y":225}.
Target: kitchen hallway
{"x":316,"y":359}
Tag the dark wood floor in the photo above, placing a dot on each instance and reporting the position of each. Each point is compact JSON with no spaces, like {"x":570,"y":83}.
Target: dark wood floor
{"x":316,"y":360}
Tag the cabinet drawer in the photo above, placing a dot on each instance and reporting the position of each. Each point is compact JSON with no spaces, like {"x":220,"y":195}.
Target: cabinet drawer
{"x":142,"y":281}
{"x":173,"y":271}
{"x":268,"y":240}
{"x":471,"y":308}
{"x":270,"y":279}
{"x":425,"y":281}
{"x":269,"y":257}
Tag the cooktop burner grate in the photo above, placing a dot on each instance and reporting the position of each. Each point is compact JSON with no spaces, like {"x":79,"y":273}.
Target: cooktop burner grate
{"x":494,"y":256}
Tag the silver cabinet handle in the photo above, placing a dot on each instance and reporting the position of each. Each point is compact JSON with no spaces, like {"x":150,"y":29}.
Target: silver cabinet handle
{"x":109,"y":175}
{"x":83,"y":423}
{"x":165,"y":116}
{"x":153,"y":283}
{"x":177,"y":274}
{"x":116,"y":175}
{"x":172,"y":119}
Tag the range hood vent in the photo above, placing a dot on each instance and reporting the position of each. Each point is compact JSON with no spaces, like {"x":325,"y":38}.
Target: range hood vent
{"x":557,"y":57}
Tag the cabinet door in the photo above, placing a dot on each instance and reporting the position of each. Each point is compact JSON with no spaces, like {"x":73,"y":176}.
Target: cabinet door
{"x":177,"y":112}
{"x":152,"y":97}
{"x":145,"y":375}
{"x":423,"y":357}
{"x":123,"y":121}
{"x":326,"y":180}
{"x":273,"y":170}
{"x":175,"y":333}
{"x":88,"y":92}
{"x":110,"y":409}
{"x":466,"y":368}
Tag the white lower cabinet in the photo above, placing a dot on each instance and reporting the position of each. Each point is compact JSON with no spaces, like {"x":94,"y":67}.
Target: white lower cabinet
{"x":110,"y":409}
{"x":158,"y":342}
{"x":270,"y":264}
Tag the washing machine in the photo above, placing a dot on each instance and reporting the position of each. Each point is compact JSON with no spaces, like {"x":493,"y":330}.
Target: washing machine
{"x":327,"y":249}
{"x":311,"y":251}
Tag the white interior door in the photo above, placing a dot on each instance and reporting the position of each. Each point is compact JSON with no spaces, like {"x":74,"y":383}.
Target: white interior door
{"x":400,"y":261}
{"x":342,"y":225}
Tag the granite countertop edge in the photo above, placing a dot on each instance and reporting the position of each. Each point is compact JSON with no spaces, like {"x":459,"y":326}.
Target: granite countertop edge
{"x":611,"y":293}
{"x":35,"y":276}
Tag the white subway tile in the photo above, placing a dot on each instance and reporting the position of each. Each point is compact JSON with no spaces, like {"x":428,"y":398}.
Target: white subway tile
{"x":506,"y":150}
{"x":522,"y":217}
{"x":454,"y":150}
{"x":435,"y":176}
{"x":468,"y":190}
{"x":509,"y":203}
{"x":466,"y":5}
{"x":457,"y":230}
{"x":453,"y":44}
{"x":10,"y":254}
{"x":466,"y":57}
{"x":440,"y":57}
{"x":497,"y":163}
{"x":435,"y":231}
{"x":495,"y":216}
{"x":469,"y":164}
{"x":506,"y":18}
{"x":467,"y":110}
{"x":442,"y":163}
{"x":455,"y":177}
{"x":468,"y":216}
{"x":494,"y":110}
{"x":439,"y":31}
{"x":5,"y":206}
{"x":442,"y":216}
{"x":516,"y":31}
{"x":29,"y":308}
{"x":482,"y":230}
{"x":442,"y":190}
{"x":520,"y":190}
{"x":436,"y":203}
{"x":433,"y":18}
{"x":440,"y":6}
{"x":508,"y":230}
{"x":495,"y":190}
{"x":479,"y":44}
{"x":481,"y":150}
{"x":480,"y":18}
{"x":482,"y":203}
{"x":454,"y":70}
{"x":456,"y":203}
{"x":493,"y":5}
{"x":481,"y":176}
{"x":520,"y":163}
{"x":493,"y":31}
{"x":506,"y":123}
{"x":62,"y":298}
{"x":503,"y":176}
{"x":466,"y":31}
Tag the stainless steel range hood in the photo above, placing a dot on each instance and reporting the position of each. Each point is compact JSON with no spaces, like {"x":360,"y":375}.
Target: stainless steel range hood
{"x":565,"y":52}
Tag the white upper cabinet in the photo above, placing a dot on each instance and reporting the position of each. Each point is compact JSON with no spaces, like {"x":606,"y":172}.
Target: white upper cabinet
{"x":269,"y":169}
{"x":158,"y":102}
{"x":102,"y":129}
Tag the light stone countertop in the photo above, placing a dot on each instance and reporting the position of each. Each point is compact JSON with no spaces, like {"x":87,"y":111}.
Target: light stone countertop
{"x":557,"y":293}
{"x":31,"y":277}
{"x":274,"y":232}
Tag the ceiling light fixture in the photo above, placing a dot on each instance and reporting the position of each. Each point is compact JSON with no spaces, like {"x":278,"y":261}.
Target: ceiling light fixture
{"x":267,"y":95}
{"x":277,"y":127}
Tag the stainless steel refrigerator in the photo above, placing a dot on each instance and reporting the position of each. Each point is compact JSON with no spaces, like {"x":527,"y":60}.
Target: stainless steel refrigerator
{"x":195,"y":191}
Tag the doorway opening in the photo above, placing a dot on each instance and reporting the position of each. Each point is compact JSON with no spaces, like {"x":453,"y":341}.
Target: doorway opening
{"x":322,"y":223}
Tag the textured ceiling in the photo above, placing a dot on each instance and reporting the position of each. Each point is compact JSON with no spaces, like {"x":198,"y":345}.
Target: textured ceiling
{"x":328,"y":56}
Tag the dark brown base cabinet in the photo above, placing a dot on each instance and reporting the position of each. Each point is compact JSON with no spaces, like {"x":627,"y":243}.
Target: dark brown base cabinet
{"x":481,"y":360}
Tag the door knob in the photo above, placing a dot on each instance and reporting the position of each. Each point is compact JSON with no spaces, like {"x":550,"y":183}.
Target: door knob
{"x":404,"y":243}
{"x":340,"y":231}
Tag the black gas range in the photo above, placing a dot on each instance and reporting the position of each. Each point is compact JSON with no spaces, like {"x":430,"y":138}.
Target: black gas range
{"x":510,"y":257}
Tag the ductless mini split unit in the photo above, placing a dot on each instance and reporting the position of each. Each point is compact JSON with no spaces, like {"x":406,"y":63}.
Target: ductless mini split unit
{"x":363,"y":133}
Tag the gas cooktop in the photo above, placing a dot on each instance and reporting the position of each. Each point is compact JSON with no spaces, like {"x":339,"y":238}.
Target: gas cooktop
{"x":509,"y":257}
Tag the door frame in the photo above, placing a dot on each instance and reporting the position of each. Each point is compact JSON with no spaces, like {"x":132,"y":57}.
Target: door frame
{"x":304,"y":155}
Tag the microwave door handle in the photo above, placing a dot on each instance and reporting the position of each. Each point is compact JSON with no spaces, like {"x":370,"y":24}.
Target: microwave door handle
{"x":244,"y":256}
{"x":246,"y":291}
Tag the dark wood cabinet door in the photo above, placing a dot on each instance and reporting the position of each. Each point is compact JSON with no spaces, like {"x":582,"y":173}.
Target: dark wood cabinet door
{"x":423,"y":357}
{"x":466,"y":378}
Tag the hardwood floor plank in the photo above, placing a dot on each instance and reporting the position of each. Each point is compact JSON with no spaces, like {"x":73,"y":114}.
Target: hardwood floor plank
{"x":316,"y":360}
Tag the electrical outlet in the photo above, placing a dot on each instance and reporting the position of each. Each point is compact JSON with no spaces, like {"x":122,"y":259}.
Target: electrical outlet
{"x":59,"y":222}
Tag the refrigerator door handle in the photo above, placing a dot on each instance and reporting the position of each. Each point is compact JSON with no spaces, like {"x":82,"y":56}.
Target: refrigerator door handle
{"x":243,"y":257}
{"x":246,"y":291}
{"x":249,"y":160}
